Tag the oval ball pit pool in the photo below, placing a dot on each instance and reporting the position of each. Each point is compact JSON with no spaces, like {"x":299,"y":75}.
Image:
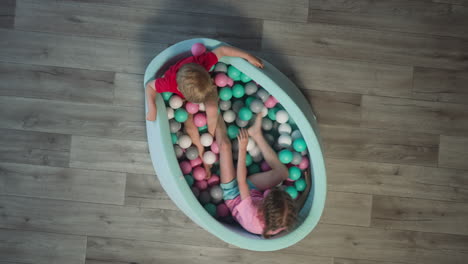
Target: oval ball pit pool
{"x":170,"y":175}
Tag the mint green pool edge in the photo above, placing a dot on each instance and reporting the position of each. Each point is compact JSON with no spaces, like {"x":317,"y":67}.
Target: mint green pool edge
{"x":172,"y":180}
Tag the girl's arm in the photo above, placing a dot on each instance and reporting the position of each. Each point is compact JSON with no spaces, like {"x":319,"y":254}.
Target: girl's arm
{"x":243,"y":138}
{"x":151,"y":98}
{"x":235,"y":52}
{"x":192,"y":132}
{"x":301,"y":201}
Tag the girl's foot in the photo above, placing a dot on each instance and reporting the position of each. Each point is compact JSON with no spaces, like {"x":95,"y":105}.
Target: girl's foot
{"x":256,"y":128}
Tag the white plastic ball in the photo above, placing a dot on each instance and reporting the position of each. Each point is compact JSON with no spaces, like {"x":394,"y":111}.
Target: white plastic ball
{"x":237,"y":105}
{"x":270,"y":139}
{"x":216,"y":193}
{"x":297,"y":157}
{"x":251,"y":144}
{"x":170,"y":112}
{"x":224,"y":105}
{"x":241,"y":123}
{"x":284,"y":140}
{"x":255,"y":151}
{"x":220,"y":67}
{"x":201,"y":107}
{"x":296,"y":134}
{"x":179,"y":152}
{"x":267,"y":124}
{"x":206,"y":139}
{"x":284,"y":128}
{"x":229,"y":116}
{"x":257,"y":158}
{"x":264,"y":111}
{"x":250,"y":88}
{"x":185,"y":141}
{"x":256,"y":106}
{"x":191,"y":153}
{"x":263,"y":94}
{"x":209,"y":157}
{"x":282,"y":116}
{"x":176,"y":102}
{"x":174,"y":126}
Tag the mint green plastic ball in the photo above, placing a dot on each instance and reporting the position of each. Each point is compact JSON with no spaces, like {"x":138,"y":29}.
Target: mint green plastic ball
{"x":244,"y":78}
{"x":272,"y":113}
{"x":174,"y":138}
{"x":294,"y":173}
{"x":234,"y":73}
{"x":238,"y":90}
{"x":210,"y":208}
{"x":300,"y":184}
{"x":189,"y":179}
{"x":249,"y":100}
{"x":254,"y":168}
{"x":285,"y":156}
{"x":232,"y":131}
{"x":292,"y":191}
{"x":299,"y":145}
{"x":248,"y":160}
{"x":245,"y":114}
{"x":225,"y":93}
{"x":166,"y":96}
{"x":203,"y":128}
{"x":180,"y":115}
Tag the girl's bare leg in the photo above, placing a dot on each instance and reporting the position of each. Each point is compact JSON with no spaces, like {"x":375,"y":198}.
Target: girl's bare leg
{"x":226,"y":164}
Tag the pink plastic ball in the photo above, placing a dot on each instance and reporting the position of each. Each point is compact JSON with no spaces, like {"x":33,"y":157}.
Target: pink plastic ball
{"x":198,"y":49}
{"x":264,"y":166}
{"x":230,"y":82}
{"x":214,"y":180}
{"x":199,"y":120}
{"x":221,"y":79}
{"x":222,"y":210}
{"x":201,"y":185}
{"x":270,"y":102}
{"x":199,"y":173}
{"x":196,"y":162}
{"x":191,"y":108}
{"x":304,"y":164}
{"x":215,"y":147}
{"x":185,"y":167}
{"x":288,"y":182}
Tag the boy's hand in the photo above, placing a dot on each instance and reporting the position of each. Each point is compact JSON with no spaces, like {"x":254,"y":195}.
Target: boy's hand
{"x":243,"y":138}
{"x":255,"y":61}
{"x":151,"y":115}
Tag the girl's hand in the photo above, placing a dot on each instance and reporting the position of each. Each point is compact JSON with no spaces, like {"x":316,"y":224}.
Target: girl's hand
{"x":256,"y":62}
{"x":243,"y":138}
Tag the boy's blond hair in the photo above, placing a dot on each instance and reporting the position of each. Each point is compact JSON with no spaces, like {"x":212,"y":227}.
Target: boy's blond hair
{"x":195,"y":83}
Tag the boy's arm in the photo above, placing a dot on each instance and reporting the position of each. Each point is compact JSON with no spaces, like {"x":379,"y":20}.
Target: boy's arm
{"x":212,"y":115}
{"x":151,"y":98}
{"x":235,"y":52}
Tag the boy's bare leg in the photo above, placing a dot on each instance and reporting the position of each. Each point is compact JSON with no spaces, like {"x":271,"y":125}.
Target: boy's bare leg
{"x":226,"y":165}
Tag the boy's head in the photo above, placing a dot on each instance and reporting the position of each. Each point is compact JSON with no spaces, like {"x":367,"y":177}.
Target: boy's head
{"x":195,"y":83}
{"x":279,"y":212}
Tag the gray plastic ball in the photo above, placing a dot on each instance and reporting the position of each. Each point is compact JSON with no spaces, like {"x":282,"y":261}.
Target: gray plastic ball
{"x":263,"y":94}
{"x":267,"y":124}
{"x":216,"y":193}
{"x":256,"y":106}
{"x":204,"y":197}
{"x":250,"y":88}
{"x":174,"y":126}
{"x":191,"y":153}
{"x":270,"y":139}
{"x":178,"y":151}
{"x":224,"y":105}
{"x":237,"y":105}
{"x":241,"y":123}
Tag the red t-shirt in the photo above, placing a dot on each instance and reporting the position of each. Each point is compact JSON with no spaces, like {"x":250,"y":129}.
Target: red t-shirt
{"x":168,"y":82}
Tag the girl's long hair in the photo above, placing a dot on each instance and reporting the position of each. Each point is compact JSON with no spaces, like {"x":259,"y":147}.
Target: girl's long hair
{"x":279,"y":211}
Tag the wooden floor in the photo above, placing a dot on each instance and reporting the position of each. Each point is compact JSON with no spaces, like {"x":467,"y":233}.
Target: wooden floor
{"x":387,"y":79}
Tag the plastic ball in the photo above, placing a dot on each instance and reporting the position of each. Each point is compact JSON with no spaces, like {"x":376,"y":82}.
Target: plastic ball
{"x":166,"y":96}
{"x":284,"y":128}
{"x":285,"y":156}
{"x":255,"y":151}
{"x":304,"y":163}
{"x":209,"y":157}
{"x":198,"y":49}
{"x":296,"y":134}
{"x":174,"y":138}
{"x":248,"y":160}
{"x":297,"y":157}
{"x":185,"y":141}
{"x":292,"y":122}
{"x":204,"y":197}
{"x":225,"y":93}
{"x":221,"y":79}
{"x":195,"y":191}
{"x":256,"y":106}
{"x":199,"y":120}
{"x":238,"y":91}
{"x":232,"y":131}
{"x":189,"y":179}
{"x":176,"y":102}
{"x":254,"y":168}
{"x":292,"y":191}
{"x":201,"y":107}
{"x":267,"y":124}
{"x":201,"y":185}
{"x":270,"y":139}
{"x":299,"y":145}
{"x":264,"y":111}
{"x":203,"y":129}
{"x":294,"y":173}
{"x":264,"y":166}
{"x":229,"y":116}
{"x":170,"y":112}
{"x":216,"y":193}
{"x":241,"y":123}
{"x":300,"y":184}
{"x":174,"y":126}
{"x":263,"y":94}
{"x":245,"y":114}
{"x":250,"y":88}
{"x":249,"y":100}
{"x":251,"y":144}
{"x":282,"y":116}
{"x":192,"y":108}
{"x":234,"y":73}
{"x":178,"y":151}
{"x":245,"y":78}
{"x":284,"y":140}
{"x":222,"y":210}
{"x":206,"y":139}
{"x":235,"y":145}
{"x":237,"y":105}
{"x":270,"y":102}
{"x":214,"y":147}
{"x":230,"y":82}
{"x":213,"y":180}
{"x":258,"y":158}
{"x":191,"y":153}
{"x":185,"y":167}
{"x":211,"y":209}
{"x":199,"y":173}
{"x":224,"y":105}
{"x":272,"y":113}
{"x":303,"y":153}
{"x":196,"y":162}
{"x":220,"y":67}
{"x":180,"y":115}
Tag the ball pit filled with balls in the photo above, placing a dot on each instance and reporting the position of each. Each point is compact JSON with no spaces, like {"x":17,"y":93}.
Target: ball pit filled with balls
{"x":240,"y":101}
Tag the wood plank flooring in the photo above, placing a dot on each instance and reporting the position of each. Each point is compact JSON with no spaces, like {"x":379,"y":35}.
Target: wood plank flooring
{"x":388,"y":81}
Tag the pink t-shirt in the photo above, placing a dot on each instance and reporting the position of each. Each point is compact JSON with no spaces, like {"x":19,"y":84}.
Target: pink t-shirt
{"x":246,"y":212}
